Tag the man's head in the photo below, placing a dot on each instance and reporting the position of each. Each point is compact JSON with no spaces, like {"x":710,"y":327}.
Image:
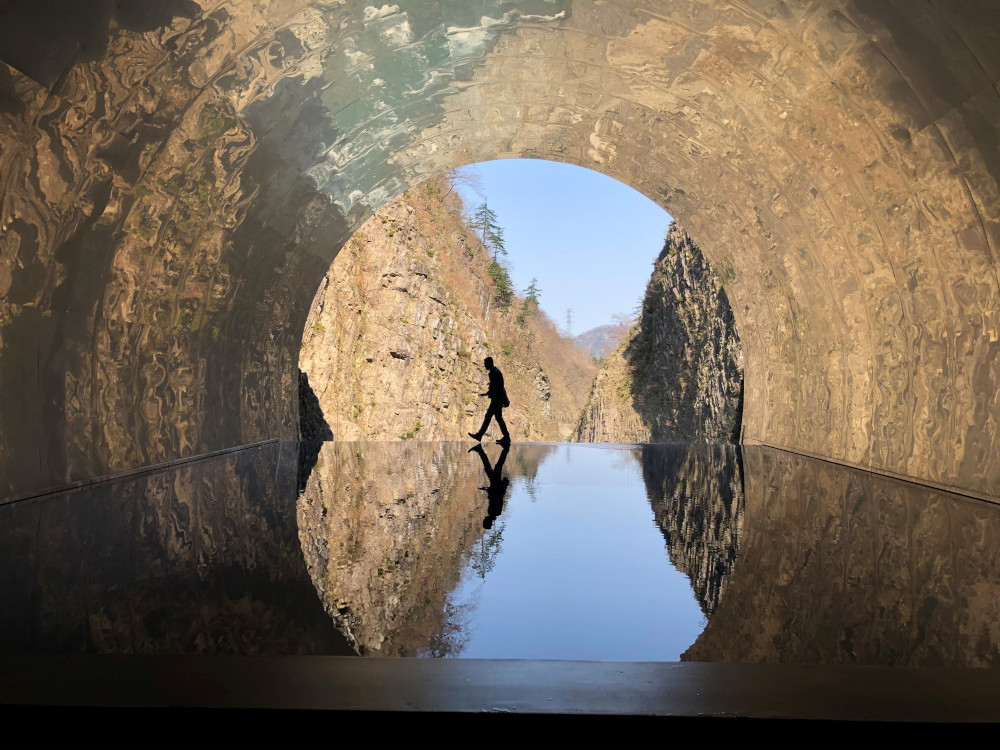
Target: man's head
{"x":488,"y":363}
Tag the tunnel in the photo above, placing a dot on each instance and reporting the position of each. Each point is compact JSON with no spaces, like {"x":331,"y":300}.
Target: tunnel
{"x":175,"y":179}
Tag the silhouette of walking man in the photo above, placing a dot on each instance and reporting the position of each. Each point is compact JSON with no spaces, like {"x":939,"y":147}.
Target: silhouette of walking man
{"x":497,"y":490}
{"x":498,"y":400}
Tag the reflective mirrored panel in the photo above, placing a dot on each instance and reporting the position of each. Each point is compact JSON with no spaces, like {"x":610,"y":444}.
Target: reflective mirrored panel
{"x":202,"y":558}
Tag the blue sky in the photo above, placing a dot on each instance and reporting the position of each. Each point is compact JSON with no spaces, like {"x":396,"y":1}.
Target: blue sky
{"x":589,"y":240}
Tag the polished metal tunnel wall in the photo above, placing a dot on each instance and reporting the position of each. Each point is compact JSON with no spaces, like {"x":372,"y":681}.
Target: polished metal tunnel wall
{"x":176,"y":177}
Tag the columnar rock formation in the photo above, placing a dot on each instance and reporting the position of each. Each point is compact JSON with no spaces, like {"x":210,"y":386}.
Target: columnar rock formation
{"x":678,"y":376}
{"x":176,"y":178}
{"x":395,"y":341}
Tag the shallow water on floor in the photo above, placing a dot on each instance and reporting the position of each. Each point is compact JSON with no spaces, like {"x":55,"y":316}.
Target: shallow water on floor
{"x":542,"y":551}
{"x":575,"y":567}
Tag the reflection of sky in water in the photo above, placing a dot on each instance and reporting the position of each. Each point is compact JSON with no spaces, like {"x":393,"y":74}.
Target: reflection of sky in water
{"x":581,"y":571}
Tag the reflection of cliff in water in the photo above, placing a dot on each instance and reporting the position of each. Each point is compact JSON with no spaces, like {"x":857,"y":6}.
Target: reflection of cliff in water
{"x":196,"y":559}
{"x":387,"y":528}
{"x":697,"y":498}
{"x":844,"y":566}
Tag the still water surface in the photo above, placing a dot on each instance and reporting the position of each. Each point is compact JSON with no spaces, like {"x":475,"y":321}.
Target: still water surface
{"x":539,"y":552}
{"x":593,"y":552}
{"x":578,"y":569}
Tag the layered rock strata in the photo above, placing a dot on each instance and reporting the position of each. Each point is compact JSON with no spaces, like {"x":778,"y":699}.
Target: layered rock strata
{"x":678,"y":376}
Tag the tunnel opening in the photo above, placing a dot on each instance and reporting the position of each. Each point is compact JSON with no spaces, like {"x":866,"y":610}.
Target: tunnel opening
{"x":173,"y":183}
{"x":168,"y":204}
{"x":401,"y":323}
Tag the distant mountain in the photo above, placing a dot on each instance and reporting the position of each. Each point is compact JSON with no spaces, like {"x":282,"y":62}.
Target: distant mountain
{"x":601,"y":341}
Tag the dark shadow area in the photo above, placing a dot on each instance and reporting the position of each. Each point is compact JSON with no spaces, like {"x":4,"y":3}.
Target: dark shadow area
{"x":45,"y":37}
{"x":283,"y":727}
{"x":313,"y":430}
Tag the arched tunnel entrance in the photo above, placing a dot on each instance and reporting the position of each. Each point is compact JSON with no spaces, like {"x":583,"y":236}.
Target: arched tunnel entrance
{"x":176,"y":181}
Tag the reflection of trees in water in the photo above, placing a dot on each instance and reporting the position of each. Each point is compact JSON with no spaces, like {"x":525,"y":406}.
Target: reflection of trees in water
{"x":387,"y":530}
{"x":526,"y":462}
{"x":483,"y":556}
{"x":697,"y":498}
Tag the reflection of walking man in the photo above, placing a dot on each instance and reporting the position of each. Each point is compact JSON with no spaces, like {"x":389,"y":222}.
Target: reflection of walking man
{"x":498,"y":400}
{"x":498,"y":484}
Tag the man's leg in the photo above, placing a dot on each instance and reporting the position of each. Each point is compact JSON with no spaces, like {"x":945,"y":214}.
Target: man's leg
{"x":503,"y":425}
{"x":486,"y":421}
{"x":482,"y":455}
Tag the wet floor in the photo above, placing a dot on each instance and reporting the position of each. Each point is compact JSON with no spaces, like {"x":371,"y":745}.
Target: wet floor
{"x":637,"y":553}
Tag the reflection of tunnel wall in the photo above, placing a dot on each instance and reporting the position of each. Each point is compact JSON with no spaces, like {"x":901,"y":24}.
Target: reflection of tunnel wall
{"x":839,"y":566}
{"x":202,"y":558}
{"x":173,"y":184}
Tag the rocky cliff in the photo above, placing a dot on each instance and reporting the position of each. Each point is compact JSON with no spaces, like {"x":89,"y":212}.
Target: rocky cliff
{"x":400,"y":325}
{"x":678,"y":376}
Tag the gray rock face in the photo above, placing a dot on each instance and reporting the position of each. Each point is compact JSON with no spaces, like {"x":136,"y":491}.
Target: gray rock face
{"x":175,"y":183}
{"x":678,"y":377}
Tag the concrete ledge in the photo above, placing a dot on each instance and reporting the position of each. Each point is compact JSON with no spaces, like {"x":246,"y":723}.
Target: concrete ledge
{"x":82,"y":484}
{"x":347,"y":684}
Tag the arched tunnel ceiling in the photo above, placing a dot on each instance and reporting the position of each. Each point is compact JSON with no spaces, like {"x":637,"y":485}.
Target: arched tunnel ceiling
{"x":175,"y":178}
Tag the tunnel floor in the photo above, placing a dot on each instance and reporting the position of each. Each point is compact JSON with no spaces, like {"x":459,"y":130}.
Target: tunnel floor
{"x":822,"y":589}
